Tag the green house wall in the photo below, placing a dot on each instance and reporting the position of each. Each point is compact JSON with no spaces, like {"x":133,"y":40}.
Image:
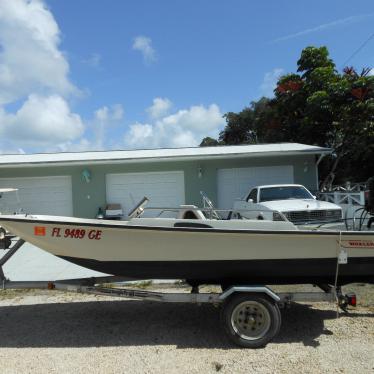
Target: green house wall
{"x":88,"y":197}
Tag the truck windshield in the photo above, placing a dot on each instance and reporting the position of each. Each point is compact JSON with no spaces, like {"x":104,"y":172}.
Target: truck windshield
{"x":284,"y":193}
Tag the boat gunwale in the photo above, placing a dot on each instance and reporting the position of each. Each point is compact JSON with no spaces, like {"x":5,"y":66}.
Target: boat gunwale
{"x":189,"y":229}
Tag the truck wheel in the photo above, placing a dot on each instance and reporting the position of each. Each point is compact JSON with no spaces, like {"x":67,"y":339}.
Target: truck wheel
{"x":251,"y":320}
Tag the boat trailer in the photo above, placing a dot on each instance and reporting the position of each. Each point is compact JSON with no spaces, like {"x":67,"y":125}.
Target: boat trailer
{"x":250,"y":314}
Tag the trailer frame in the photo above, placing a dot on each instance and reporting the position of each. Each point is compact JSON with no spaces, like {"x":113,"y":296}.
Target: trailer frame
{"x":245,"y":297}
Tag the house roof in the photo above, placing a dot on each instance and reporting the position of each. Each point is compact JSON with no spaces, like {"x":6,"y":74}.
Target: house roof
{"x":161,"y":154}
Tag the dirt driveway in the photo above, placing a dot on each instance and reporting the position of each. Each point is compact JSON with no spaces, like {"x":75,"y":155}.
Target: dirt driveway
{"x":44,"y":332}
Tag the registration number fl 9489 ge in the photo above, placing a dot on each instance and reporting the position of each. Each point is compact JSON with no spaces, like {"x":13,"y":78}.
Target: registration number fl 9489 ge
{"x":74,"y":233}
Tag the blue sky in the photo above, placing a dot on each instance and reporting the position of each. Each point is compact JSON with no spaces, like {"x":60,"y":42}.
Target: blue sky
{"x":94,"y":74}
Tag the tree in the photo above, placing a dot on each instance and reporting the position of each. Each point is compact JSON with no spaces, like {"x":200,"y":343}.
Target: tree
{"x":238,"y":129}
{"x":242,"y":127}
{"x":209,"y":142}
{"x":316,"y":105}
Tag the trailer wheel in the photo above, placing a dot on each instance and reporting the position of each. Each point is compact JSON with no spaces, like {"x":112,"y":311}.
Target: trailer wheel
{"x":251,"y":320}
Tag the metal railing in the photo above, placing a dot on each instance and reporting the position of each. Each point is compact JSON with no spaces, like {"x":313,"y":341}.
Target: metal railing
{"x":245,"y":214}
{"x":221,"y":214}
{"x":343,"y":197}
{"x":348,"y":187}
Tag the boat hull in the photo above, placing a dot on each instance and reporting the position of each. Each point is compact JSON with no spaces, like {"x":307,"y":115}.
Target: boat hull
{"x":204,"y":251}
{"x":285,"y":271}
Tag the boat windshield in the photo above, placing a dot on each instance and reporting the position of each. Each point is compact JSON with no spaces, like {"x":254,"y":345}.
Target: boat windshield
{"x":284,"y":193}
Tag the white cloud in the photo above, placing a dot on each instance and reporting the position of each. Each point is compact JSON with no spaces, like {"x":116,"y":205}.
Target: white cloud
{"x":95,"y":137}
{"x":104,"y":118}
{"x":117,"y":112}
{"x":371,"y":72}
{"x":270,"y":81}
{"x":322,"y":27}
{"x":30,"y":59}
{"x":41,"y":121}
{"x":35,"y":73}
{"x":112,"y":113}
{"x":34,"y":76}
{"x":143,"y":44}
{"x":182,"y":129}
{"x":160,"y":107}
{"x":82,"y":145}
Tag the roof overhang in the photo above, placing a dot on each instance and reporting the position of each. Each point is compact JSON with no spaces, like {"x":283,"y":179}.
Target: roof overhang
{"x":160,"y":155}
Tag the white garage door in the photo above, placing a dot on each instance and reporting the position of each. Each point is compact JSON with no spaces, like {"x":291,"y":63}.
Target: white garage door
{"x":164,"y":189}
{"x":40,"y":195}
{"x":235,"y":183}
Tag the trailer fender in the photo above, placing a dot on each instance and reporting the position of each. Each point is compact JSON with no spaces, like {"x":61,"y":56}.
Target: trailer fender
{"x":252,"y":289}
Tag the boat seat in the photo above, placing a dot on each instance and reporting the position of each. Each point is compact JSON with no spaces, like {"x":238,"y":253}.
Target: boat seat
{"x":189,"y":214}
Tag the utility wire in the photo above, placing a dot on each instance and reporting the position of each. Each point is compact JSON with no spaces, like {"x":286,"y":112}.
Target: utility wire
{"x":358,"y":49}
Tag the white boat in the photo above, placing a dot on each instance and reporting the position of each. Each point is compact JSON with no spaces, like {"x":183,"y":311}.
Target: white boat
{"x":201,"y":250}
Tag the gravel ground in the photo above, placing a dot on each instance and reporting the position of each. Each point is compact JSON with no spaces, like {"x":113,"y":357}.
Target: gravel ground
{"x":46,"y":332}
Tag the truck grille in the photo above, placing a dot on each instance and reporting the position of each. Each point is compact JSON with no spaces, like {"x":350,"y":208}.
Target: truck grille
{"x":303,"y":216}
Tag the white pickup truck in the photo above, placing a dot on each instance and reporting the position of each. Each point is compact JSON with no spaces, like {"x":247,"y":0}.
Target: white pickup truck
{"x":293,"y":201}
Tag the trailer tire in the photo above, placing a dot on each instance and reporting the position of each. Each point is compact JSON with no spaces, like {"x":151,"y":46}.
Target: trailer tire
{"x":251,"y":320}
